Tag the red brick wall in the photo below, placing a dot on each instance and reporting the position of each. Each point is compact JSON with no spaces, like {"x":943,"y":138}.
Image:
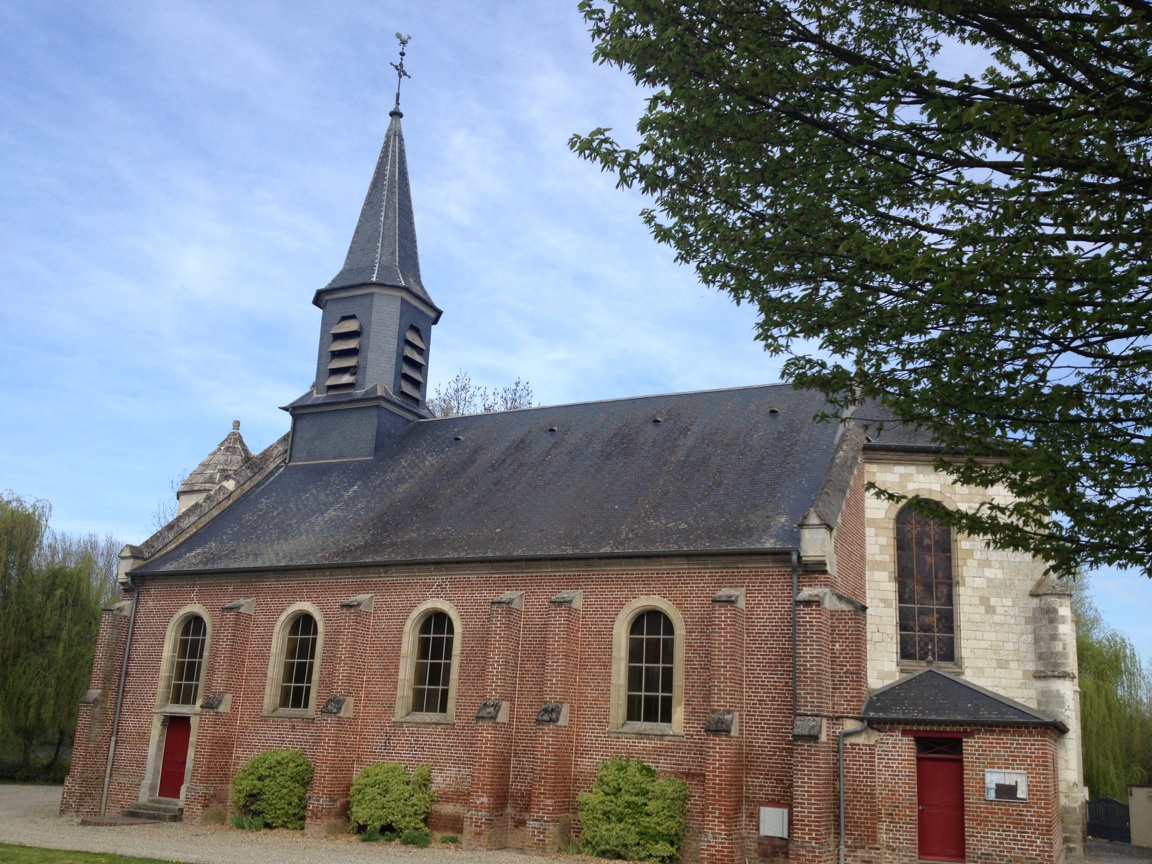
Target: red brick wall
{"x":517,"y":782}
{"x":882,"y":797}
{"x":850,"y":540}
{"x":500,"y":658}
{"x":84,"y":785}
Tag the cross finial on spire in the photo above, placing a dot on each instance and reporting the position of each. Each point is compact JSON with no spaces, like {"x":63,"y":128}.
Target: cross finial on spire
{"x":401,"y":73}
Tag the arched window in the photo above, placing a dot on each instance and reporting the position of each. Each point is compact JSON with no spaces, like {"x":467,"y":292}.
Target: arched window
{"x":925,"y":588}
{"x":433,"y":665}
{"x":651,"y":664}
{"x":299,"y":662}
{"x":648,"y":668}
{"x":294,"y":661}
{"x":188,"y":661}
{"x":429,"y":664}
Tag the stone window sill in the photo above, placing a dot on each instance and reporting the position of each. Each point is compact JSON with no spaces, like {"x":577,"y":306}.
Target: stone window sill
{"x":289,"y":714}
{"x":916,"y":665}
{"x":417,"y":719}
{"x":646,"y":730}
{"x":179,"y":710}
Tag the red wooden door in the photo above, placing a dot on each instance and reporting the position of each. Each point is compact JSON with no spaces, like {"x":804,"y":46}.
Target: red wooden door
{"x":175,"y":758}
{"x":940,"y":796}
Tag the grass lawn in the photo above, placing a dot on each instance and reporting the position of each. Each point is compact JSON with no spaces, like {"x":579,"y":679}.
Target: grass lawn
{"x":33,"y":855}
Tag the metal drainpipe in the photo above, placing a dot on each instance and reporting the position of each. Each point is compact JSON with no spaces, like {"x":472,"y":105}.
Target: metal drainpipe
{"x":119,"y":695}
{"x":795,"y":593}
{"x":840,"y":736}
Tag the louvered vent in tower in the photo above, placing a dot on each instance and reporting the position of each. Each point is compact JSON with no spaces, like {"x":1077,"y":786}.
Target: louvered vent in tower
{"x":344,"y":355}
{"x":412,"y":370}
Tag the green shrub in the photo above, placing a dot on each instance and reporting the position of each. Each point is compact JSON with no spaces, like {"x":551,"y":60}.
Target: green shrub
{"x":248,"y":823}
{"x":632,"y":814}
{"x":386,"y":797}
{"x":370,"y":835}
{"x":449,"y":838}
{"x":420,"y":837}
{"x":274,"y":786}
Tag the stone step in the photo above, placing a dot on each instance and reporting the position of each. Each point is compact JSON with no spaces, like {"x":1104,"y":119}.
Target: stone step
{"x":150,"y":815}
{"x":112,"y":821}
{"x":156,"y":810}
{"x":167,"y":803}
{"x":157,"y":807}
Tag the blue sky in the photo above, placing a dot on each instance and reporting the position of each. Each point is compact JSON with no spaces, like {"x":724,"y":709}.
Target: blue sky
{"x":177,"y":179}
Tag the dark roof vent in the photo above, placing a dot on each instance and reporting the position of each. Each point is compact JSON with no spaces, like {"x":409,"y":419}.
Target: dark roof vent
{"x":412,"y":367}
{"x":551,"y":428}
{"x":773,"y":411}
{"x":657,"y":419}
{"x":344,"y":355}
{"x":457,"y":437}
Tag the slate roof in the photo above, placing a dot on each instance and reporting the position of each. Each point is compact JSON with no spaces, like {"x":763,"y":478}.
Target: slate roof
{"x":219,"y":465}
{"x":724,"y":471}
{"x":383,"y":248}
{"x":886,"y":433}
{"x":934,"y":696}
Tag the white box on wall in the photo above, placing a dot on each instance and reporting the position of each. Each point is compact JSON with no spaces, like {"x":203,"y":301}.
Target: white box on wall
{"x":774,"y":822}
{"x":1006,"y":785}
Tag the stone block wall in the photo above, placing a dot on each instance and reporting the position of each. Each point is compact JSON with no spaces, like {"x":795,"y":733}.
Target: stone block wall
{"x":995,"y":612}
{"x":1015,"y":632}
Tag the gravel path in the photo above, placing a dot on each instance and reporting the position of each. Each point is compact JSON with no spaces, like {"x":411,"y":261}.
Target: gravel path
{"x":28,"y":816}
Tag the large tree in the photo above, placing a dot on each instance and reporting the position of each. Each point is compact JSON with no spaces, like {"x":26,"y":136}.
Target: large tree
{"x":942,"y":206}
{"x":1115,"y":703}
{"x":51,"y":589}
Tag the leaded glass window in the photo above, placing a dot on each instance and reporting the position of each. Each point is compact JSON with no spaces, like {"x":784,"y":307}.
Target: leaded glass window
{"x":433,"y":665}
{"x":651,"y":668}
{"x":925,"y":588}
{"x":188,"y":662}
{"x":299,"y":662}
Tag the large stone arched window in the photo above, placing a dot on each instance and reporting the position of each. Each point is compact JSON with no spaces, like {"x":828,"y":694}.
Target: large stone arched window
{"x":188,"y":662}
{"x":925,"y":589}
{"x":648,"y":668}
{"x":294,"y":662}
{"x":429,"y":664}
{"x":651,"y":668}
{"x":185,"y":662}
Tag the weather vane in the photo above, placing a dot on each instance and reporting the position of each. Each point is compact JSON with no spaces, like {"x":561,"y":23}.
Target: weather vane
{"x":401,"y":73}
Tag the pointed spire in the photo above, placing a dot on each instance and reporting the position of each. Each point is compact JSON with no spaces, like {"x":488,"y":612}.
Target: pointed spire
{"x":383,"y":249}
{"x":218,"y":467}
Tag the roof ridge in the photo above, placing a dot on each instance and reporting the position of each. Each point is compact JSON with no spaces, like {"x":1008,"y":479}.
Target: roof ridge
{"x":614,"y":400}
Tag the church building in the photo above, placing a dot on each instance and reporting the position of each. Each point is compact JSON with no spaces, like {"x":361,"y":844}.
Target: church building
{"x":700,"y":580}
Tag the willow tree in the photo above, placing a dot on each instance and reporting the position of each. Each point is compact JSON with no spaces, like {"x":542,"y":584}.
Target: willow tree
{"x":1115,"y":705}
{"x":51,"y":588}
{"x":943,"y":206}
{"x":22,"y":527}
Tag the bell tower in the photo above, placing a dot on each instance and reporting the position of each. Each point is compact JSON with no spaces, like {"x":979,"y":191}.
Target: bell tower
{"x":376,"y":323}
